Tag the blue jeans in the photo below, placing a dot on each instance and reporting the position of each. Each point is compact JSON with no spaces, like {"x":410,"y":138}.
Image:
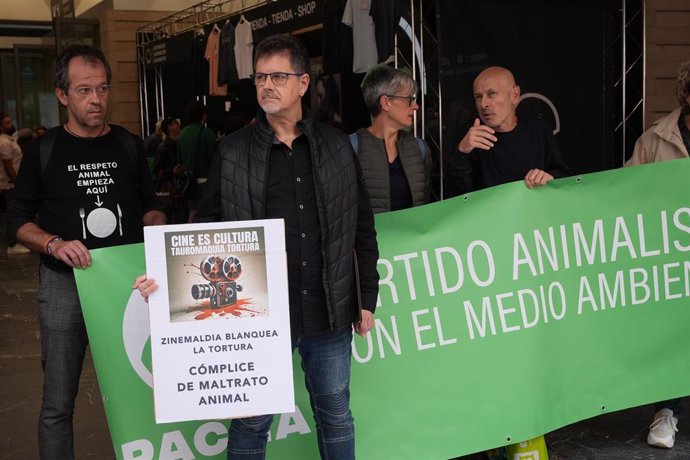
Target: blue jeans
{"x":63,"y":345}
{"x":326,"y":365}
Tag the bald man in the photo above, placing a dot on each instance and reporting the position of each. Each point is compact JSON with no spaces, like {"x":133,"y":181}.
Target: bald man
{"x":498,"y":148}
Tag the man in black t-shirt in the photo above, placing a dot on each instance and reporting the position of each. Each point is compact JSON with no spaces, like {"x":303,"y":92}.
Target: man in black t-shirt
{"x":499,"y":149}
{"x":93,"y":190}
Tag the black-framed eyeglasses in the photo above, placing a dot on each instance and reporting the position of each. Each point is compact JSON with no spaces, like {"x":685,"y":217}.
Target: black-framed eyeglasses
{"x":278,"y":78}
{"x":410,"y":99}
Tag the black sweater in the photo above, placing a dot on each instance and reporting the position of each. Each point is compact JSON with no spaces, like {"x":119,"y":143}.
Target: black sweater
{"x":530,"y":145}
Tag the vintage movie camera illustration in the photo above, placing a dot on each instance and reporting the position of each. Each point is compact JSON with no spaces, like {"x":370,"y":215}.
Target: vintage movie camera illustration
{"x":223,"y":285}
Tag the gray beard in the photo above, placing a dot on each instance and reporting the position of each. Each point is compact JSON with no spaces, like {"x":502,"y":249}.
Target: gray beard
{"x":269,"y":108}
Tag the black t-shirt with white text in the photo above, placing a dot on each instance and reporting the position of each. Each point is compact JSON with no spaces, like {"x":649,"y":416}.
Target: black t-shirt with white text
{"x":91,"y":191}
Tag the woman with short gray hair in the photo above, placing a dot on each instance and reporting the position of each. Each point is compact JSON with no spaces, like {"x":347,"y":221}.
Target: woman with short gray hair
{"x":396,"y":165}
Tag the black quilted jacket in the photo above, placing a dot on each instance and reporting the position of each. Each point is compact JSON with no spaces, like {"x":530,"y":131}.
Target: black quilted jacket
{"x":236,"y":190}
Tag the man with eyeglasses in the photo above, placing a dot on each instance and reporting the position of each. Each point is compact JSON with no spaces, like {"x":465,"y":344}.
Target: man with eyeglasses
{"x":498,"y":148}
{"x":89,"y":183}
{"x":305,"y":172}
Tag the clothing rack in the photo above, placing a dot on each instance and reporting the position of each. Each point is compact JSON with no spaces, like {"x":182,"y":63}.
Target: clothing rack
{"x":195,"y":17}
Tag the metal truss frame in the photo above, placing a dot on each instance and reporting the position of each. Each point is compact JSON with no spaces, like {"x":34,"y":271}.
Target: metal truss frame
{"x":632,"y":80}
{"x":192,"y":18}
{"x":417,"y":49}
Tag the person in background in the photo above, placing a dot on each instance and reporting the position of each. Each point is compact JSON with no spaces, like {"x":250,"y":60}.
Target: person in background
{"x":396,"y":165}
{"x":667,"y":139}
{"x":10,"y":153}
{"x":169,"y":174}
{"x":40,"y":131}
{"x":8,"y":127}
{"x":11,"y":156}
{"x":195,"y":149}
{"x":71,"y":225}
{"x":328,"y":102}
{"x":166,"y":154}
{"x":152,"y":142}
{"x":25,"y":138}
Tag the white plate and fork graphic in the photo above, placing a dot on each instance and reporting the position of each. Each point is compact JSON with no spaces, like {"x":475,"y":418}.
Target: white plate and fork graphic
{"x":101,"y":222}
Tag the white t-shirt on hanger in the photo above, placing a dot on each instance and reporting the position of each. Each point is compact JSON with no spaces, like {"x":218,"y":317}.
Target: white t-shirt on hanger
{"x":356,"y":16}
{"x":244,"y":47}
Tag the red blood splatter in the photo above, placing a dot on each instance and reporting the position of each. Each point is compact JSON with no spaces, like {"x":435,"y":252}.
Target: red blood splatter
{"x":234,"y":310}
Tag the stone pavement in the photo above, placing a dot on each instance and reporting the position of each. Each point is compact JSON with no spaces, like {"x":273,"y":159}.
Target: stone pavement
{"x":619,"y":435}
{"x":20,"y":370}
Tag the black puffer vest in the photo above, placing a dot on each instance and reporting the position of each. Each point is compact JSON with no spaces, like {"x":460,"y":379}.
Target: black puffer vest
{"x":374,"y":160}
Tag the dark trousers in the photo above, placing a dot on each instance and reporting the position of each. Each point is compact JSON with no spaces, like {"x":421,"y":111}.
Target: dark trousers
{"x":63,"y":345}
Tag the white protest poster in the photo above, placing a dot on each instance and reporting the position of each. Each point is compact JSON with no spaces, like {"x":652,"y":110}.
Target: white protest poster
{"x":220,"y":320}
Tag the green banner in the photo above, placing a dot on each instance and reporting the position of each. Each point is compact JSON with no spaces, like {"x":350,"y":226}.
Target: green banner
{"x":504,"y":314}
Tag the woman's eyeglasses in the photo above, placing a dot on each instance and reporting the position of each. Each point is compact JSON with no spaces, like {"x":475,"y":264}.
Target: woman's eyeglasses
{"x":410,"y":99}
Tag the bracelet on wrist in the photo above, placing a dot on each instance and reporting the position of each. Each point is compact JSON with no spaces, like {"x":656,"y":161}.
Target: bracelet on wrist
{"x":45,"y":243}
{"x":50,"y":243}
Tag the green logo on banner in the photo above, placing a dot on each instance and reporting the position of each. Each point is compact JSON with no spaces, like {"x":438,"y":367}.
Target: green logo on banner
{"x":135,"y":336}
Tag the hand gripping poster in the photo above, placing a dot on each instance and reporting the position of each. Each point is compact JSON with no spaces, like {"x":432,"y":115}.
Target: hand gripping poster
{"x":220,"y":325}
